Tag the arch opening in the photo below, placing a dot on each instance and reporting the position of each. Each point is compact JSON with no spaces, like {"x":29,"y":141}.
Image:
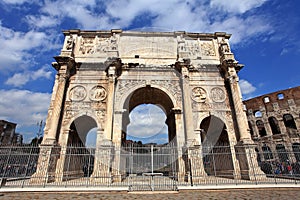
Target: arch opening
{"x":261,"y":128}
{"x":149,"y":132}
{"x":153,"y":106}
{"x":289,"y":122}
{"x":217,"y":158}
{"x":274,"y":125}
{"x":81,"y":145}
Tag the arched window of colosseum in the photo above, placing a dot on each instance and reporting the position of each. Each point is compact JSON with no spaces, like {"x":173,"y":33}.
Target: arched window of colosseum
{"x":261,"y":128}
{"x":296,"y":150}
{"x":280,"y":96}
{"x":257,"y":113}
{"x":267,"y":152}
{"x":282,"y":154}
{"x":274,"y":125}
{"x":266,"y":99}
{"x":289,"y":121}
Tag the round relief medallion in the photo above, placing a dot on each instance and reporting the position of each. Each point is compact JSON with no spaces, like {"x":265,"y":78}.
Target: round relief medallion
{"x":217,"y":94}
{"x":98,"y":93}
{"x":198,"y":94}
{"x":77,"y":93}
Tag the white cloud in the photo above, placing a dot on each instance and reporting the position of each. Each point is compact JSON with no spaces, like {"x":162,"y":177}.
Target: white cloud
{"x":20,"y":79}
{"x":81,"y":11}
{"x":170,"y":15}
{"x":239,"y":28}
{"x":16,"y":1}
{"x":23,"y":107}
{"x":146,"y":121}
{"x":236,"y":6}
{"x":42,"y":21}
{"x":17,"y":47}
{"x":246,"y":87}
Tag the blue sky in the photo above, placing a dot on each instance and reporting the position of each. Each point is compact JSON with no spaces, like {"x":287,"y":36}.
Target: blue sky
{"x":265,"y":37}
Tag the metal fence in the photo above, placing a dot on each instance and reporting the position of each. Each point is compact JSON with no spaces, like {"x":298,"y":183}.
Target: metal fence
{"x":144,"y":167}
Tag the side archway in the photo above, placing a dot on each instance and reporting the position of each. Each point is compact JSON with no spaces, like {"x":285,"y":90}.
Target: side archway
{"x":217,"y":157}
{"x":79,"y":159}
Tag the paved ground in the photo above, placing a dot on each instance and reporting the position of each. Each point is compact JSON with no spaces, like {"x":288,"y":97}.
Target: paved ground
{"x":272,"y":193}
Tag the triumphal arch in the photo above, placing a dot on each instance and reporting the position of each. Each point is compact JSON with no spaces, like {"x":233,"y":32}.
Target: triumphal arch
{"x":103,"y":75}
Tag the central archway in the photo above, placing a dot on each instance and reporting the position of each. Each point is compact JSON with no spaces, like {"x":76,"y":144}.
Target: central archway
{"x":143,"y":158}
{"x":150,"y":96}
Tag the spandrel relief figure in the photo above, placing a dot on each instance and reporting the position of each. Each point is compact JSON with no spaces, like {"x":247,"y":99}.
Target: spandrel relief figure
{"x":77,"y":93}
{"x":199,"y":94}
{"x":98,"y":94}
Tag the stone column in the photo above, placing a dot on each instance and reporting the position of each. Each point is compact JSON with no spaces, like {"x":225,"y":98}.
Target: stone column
{"x":255,"y":129}
{"x":118,"y":160}
{"x":110,"y":102}
{"x":235,"y":162}
{"x":63,"y":65}
{"x":61,"y":162}
{"x":102,"y":163}
{"x":46,"y":166}
{"x":245,"y":147}
{"x":267,"y":127}
{"x":195,"y":156}
{"x":241,"y":117}
{"x":180,"y":141}
{"x":282,"y":127}
{"x":187,"y":106}
{"x":49,"y":150}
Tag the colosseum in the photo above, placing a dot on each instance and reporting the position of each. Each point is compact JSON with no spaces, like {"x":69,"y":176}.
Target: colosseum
{"x":274,"y":122}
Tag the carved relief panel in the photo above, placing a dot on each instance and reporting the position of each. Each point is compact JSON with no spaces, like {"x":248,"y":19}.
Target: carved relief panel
{"x":217,"y":94}
{"x":98,"y":45}
{"x":214,"y":99}
{"x":85,"y":99}
{"x":207,"y":48}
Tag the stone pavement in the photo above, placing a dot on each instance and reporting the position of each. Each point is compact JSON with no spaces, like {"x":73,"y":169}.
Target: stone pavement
{"x":263,"y":193}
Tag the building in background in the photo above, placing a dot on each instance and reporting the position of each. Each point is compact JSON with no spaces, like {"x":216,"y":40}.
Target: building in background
{"x":8,"y":133}
{"x":274,"y":122}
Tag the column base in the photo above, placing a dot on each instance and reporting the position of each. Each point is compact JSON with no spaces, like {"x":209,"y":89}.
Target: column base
{"x":46,"y":166}
{"x":248,"y":162}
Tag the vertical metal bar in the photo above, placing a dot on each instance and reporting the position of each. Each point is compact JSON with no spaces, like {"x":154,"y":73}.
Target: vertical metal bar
{"x":213,"y":156}
{"x":152,"y":159}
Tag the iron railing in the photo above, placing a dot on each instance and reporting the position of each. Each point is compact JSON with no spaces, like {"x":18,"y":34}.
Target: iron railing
{"x":164,"y":167}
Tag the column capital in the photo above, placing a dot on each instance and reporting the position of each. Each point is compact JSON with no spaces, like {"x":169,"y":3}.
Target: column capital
{"x":114,"y":67}
{"x":62,"y":61}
